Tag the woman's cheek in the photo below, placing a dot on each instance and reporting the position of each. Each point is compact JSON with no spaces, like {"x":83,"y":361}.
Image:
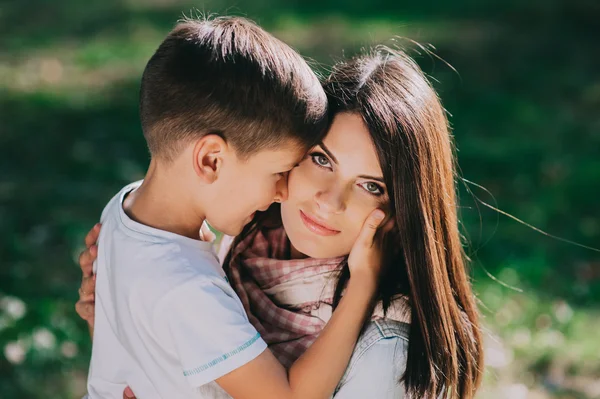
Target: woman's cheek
{"x":293,"y":183}
{"x":301,"y":181}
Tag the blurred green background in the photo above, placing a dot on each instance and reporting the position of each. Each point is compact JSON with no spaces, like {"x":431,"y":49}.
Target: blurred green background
{"x":524,"y":107}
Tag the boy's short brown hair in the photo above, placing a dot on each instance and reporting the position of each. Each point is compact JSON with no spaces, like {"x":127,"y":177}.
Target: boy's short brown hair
{"x":228,"y":76}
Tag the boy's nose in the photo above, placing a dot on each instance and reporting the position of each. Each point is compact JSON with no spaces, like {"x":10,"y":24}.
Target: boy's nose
{"x":281,"y":189}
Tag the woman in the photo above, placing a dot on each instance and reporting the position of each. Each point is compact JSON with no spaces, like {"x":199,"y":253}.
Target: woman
{"x":388,"y":147}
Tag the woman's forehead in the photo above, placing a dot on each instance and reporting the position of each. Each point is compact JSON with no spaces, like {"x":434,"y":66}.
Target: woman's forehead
{"x":351,"y":144}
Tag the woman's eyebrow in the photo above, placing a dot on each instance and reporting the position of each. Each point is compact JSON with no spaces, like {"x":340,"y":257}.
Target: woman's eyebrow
{"x":379,"y":179}
{"x":333,"y":158}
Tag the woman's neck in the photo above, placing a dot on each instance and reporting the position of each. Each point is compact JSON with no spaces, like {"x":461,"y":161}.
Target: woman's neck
{"x":295,"y":254}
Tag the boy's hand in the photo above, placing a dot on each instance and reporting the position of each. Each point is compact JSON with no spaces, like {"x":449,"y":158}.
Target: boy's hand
{"x":85,"y":304}
{"x":365,"y":256}
{"x":128,"y":394}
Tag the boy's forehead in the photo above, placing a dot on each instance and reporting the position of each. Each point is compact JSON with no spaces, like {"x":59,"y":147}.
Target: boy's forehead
{"x":281,"y":156}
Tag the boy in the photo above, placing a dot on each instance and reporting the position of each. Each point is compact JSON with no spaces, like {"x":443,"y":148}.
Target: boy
{"x":227,"y":110}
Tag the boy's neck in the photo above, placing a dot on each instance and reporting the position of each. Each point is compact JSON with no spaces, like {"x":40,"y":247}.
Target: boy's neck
{"x":161,"y":203}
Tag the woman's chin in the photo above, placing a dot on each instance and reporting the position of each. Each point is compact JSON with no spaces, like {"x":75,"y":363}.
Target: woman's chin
{"x":309,"y":243}
{"x":315,"y":250}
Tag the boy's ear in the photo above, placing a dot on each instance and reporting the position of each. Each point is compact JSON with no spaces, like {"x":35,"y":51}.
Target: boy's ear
{"x":208,"y":156}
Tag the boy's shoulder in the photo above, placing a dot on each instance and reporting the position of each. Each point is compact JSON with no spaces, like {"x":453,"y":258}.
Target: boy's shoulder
{"x":173,"y":263}
{"x":152,"y":260}
{"x":167,"y":275}
{"x":113,"y":205}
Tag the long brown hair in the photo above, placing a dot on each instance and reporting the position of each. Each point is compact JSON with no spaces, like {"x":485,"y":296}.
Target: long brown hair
{"x":424,"y":260}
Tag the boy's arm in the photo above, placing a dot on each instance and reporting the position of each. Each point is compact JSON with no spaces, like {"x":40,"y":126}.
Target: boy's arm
{"x":318,"y":371}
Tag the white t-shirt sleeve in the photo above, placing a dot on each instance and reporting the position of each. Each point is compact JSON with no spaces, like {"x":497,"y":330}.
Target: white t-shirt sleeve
{"x":210,"y":330}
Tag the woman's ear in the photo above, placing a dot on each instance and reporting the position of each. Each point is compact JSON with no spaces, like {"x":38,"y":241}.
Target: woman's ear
{"x":208,"y":155}
{"x":389,"y":223}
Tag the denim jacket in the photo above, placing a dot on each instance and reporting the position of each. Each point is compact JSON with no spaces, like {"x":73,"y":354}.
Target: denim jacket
{"x":377,"y":364}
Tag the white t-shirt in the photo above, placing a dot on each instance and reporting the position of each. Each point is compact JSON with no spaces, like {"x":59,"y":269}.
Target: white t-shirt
{"x":167,"y":321}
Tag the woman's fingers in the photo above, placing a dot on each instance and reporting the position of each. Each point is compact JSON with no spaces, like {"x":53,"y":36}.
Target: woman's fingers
{"x":92,"y":235}
{"x":367,"y":233}
{"x":86,"y":260}
{"x":88,"y":256}
{"x":364,"y":255}
{"x":85,"y":305}
{"x":85,"y":310}
{"x":88,"y":287}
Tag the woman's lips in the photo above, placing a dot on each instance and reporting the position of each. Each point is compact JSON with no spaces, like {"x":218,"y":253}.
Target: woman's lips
{"x":316,"y":227}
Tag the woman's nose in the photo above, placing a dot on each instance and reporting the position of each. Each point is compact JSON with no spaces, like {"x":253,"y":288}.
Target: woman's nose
{"x":331,"y":200}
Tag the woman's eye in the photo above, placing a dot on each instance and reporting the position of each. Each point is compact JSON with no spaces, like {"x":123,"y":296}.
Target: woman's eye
{"x":373,"y":188}
{"x":320,"y":159}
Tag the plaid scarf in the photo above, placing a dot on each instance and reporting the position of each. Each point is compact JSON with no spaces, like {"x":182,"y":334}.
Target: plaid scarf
{"x":288,"y":301}
{"x":258,"y":267}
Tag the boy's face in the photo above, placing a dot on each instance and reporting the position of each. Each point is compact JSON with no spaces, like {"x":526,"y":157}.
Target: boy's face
{"x":244,"y":187}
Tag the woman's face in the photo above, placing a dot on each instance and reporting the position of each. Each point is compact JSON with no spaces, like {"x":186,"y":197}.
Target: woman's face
{"x":333,"y":190}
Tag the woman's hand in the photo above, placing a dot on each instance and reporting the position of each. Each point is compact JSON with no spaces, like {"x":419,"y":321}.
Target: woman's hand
{"x":85,"y":304}
{"x":366,"y":254}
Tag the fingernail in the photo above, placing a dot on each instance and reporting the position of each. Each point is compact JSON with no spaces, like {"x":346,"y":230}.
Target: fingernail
{"x":129,"y":393}
{"x":379,"y":215}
